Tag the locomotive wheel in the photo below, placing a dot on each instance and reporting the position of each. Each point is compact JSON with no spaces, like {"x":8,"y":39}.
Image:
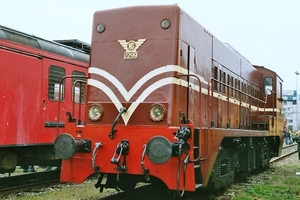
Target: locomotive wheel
{"x":8,"y":162}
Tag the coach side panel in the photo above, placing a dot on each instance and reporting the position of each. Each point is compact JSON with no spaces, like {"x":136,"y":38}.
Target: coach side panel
{"x":20,"y":101}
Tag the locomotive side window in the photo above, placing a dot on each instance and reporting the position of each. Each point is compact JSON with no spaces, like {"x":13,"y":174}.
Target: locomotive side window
{"x":216,"y":78}
{"x":224,"y":81}
{"x":244,"y":88}
{"x":231,"y":83}
{"x":268,"y":85}
{"x":235,"y":86}
{"x":79,"y":87}
{"x":55,"y":75}
{"x":228,"y":83}
{"x":239,"y":89}
{"x":220,"y":81}
{"x":252,"y":92}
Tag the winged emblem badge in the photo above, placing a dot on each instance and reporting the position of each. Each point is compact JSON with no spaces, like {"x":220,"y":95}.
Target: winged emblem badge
{"x":131,"y":48}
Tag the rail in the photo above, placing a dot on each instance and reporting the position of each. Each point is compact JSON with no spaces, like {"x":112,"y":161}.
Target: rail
{"x":212,"y":81}
{"x":22,"y":182}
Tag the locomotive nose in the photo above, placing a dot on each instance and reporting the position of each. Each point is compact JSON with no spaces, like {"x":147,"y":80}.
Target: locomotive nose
{"x":159,"y":149}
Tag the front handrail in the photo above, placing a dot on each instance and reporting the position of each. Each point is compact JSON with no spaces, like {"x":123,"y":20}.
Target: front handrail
{"x":59,"y":97}
{"x":200,"y":108}
{"x":73,"y":98}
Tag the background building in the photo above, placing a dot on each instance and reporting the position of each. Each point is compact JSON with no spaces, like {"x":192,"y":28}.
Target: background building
{"x":290,"y":109}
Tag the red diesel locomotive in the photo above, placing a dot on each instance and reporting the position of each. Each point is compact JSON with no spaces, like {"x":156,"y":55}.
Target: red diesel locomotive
{"x":168,"y":102}
{"x":32,"y":69}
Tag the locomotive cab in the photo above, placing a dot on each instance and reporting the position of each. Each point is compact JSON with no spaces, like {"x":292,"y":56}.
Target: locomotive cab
{"x":272,"y":90}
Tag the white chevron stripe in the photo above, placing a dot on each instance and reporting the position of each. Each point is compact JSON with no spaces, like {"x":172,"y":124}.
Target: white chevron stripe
{"x":126,"y":116}
{"x":128,"y":94}
{"x":107,"y":91}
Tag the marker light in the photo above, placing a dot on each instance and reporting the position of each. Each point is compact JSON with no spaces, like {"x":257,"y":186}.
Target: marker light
{"x":165,"y":24}
{"x":157,"y":112}
{"x":101,"y":28}
{"x":95,"y":112}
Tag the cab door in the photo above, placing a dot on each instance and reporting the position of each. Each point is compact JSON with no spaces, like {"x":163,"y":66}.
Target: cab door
{"x":183,"y":94}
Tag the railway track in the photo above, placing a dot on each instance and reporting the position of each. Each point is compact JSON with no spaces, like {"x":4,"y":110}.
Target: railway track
{"x":286,"y":152}
{"x":23,"y":182}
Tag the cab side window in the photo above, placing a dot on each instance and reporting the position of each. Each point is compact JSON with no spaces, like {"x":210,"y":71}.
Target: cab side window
{"x":78,"y":86}
{"x":268,"y":85}
{"x":55,"y":76}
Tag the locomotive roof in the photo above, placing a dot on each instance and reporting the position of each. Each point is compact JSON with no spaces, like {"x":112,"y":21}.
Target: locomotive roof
{"x":267,"y":69}
{"x":75,"y":49}
{"x":77,"y":44}
{"x":237,"y":52}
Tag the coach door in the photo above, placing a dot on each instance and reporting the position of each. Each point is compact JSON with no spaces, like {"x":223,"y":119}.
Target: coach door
{"x":52,"y":74}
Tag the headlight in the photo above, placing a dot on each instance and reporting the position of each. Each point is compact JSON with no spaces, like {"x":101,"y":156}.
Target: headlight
{"x":157,"y":112}
{"x":96,"y":112}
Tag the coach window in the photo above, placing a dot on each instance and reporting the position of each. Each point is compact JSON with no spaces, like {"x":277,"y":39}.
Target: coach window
{"x":268,"y":85}
{"x":78,"y":91}
{"x":55,"y":75}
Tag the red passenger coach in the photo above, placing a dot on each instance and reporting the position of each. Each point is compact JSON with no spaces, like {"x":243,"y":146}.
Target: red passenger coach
{"x":168,"y":102}
{"x":31,"y":70}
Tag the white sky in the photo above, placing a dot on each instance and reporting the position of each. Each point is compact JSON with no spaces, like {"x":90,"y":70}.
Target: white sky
{"x":266,"y":32}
